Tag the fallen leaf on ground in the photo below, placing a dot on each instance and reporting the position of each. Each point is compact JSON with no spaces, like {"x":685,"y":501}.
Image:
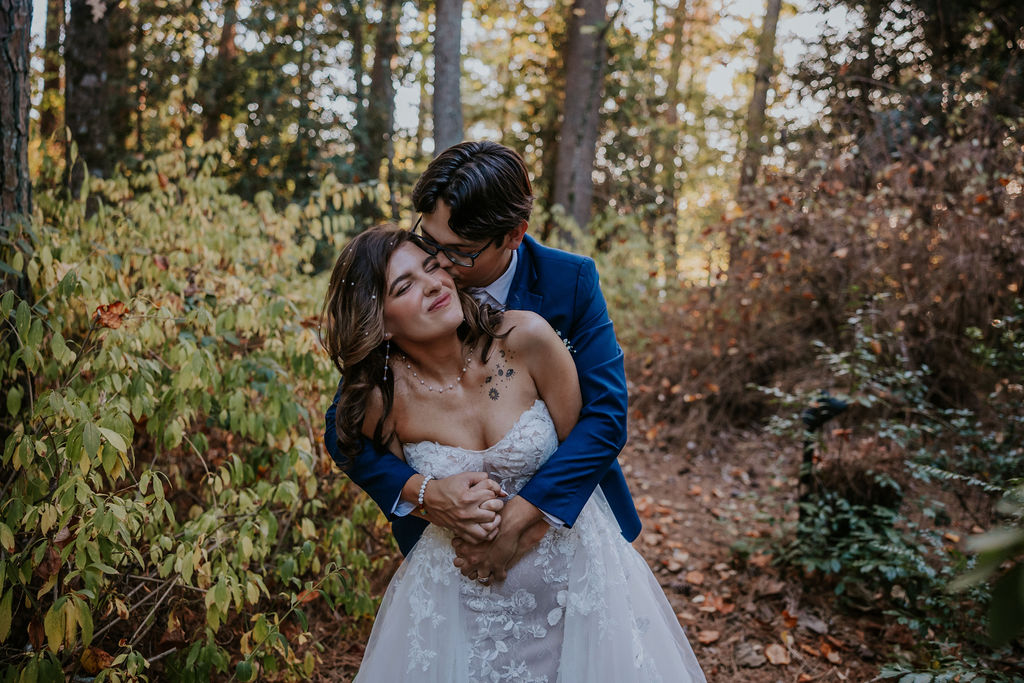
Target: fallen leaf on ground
{"x":708,"y":637}
{"x":777,"y":654}
{"x":749,"y":655}
{"x":760,"y":559}
{"x":830,"y":654}
{"x":695,"y":577}
{"x":788,"y":619}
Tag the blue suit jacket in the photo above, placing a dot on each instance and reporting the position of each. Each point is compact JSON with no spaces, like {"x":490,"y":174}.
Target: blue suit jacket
{"x":563,"y":288}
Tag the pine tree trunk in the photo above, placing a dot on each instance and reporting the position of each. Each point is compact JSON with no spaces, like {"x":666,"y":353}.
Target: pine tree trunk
{"x":227,"y":52}
{"x":88,"y":97}
{"x":15,"y":184}
{"x":756,"y":114}
{"x":448,"y":127}
{"x":376,"y":122}
{"x":50,"y":115}
{"x":577,"y":142}
{"x":667,"y":156}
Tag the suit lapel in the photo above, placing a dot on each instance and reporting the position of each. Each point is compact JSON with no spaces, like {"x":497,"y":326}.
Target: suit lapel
{"x":524,"y":295}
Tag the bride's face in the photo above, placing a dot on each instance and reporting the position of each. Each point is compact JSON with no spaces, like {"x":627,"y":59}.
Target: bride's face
{"x":420,"y":300}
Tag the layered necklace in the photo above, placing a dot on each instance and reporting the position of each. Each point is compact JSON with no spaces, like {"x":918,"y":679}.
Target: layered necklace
{"x":442,"y":388}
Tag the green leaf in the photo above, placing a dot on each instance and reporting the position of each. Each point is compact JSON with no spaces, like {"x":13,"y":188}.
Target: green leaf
{"x":91,"y":440}
{"x":5,"y":615}
{"x":7,"y":303}
{"x":22,"y":318}
{"x":14,"y":396}
{"x":221,"y":596}
{"x":6,"y":538}
{"x":7,"y":269}
{"x":244,"y":670}
{"x":60,"y":349}
{"x":53,"y":624}
{"x":115,"y":439}
{"x":85,"y":621}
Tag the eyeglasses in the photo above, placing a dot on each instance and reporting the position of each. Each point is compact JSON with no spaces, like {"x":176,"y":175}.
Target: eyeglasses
{"x":427,"y":244}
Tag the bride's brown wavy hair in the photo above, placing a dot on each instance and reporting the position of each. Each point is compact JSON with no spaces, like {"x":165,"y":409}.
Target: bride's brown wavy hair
{"x":352,"y":331}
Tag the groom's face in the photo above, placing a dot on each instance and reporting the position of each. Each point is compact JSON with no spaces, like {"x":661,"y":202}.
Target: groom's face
{"x":487,"y":267}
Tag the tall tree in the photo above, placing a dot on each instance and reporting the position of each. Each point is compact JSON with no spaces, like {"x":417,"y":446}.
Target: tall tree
{"x":669,"y":148}
{"x":577,"y":142}
{"x":372,"y":134}
{"x":225,"y":75}
{"x":758,"y":102}
{"x":50,"y":118}
{"x":90,"y":87}
{"x":448,"y":128}
{"x":15,"y":186}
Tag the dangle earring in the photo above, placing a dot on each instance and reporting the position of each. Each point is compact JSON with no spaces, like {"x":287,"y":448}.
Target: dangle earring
{"x":387,"y":357}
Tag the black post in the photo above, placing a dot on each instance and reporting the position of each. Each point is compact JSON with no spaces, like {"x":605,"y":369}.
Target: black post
{"x":814,"y":416}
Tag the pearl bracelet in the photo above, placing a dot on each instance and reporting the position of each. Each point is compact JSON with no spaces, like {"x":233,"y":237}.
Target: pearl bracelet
{"x":423,"y":489}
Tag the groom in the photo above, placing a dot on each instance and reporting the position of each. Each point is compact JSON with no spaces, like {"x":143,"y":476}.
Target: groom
{"x":475,"y":201}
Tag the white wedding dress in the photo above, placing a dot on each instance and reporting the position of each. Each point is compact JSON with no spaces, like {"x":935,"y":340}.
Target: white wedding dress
{"x":581,"y":607}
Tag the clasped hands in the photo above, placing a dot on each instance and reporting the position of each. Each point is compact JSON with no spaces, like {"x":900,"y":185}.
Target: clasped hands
{"x":490,"y":534}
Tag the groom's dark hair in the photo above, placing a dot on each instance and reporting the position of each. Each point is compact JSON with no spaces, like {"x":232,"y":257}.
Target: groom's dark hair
{"x":485,"y":184}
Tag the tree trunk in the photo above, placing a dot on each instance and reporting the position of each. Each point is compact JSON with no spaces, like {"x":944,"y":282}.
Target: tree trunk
{"x":88,"y":106}
{"x":448,"y":129}
{"x":224,"y":85}
{"x":577,"y":142}
{"x":756,"y":114}
{"x":15,"y":185}
{"x":669,"y":150}
{"x":374,"y":127}
{"x":422,"y":112}
{"x":50,"y":119}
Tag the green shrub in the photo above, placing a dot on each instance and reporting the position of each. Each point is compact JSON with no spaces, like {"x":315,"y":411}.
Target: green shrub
{"x":166,"y":501}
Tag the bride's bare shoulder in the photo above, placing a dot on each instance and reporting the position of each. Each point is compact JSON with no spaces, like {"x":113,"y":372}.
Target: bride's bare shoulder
{"x":526,"y":330}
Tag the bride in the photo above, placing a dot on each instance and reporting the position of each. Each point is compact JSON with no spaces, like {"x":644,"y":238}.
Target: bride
{"x":452,"y":388}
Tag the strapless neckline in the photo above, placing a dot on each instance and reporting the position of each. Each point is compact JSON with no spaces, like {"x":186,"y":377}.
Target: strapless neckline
{"x":515,"y":425}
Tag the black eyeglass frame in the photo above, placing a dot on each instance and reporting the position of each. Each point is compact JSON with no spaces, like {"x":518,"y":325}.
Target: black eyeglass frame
{"x":427,"y":244}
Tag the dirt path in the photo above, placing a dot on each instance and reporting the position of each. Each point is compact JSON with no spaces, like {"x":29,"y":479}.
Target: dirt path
{"x":747,"y":621}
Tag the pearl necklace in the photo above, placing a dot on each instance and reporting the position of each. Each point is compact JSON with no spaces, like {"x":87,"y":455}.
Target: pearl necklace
{"x":431,"y":388}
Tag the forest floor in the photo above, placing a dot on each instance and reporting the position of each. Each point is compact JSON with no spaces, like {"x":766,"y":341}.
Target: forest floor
{"x":707,"y":514}
{"x":705,"y":517}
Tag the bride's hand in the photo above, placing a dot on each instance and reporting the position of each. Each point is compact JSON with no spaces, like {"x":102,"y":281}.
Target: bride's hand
{"x":522,"y":529}
{"x":467,"y":503}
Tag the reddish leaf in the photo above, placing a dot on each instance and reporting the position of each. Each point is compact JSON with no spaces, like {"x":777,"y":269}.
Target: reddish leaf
{"x":95,"y":660}
{"x":111,"y":315}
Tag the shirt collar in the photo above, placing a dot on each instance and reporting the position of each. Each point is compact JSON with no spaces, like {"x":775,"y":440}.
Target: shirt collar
{"x":499,"y":289}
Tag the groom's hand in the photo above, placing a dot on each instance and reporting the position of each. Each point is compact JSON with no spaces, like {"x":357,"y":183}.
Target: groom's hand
{"x":522,"y":528}
{"x":468,"y":503}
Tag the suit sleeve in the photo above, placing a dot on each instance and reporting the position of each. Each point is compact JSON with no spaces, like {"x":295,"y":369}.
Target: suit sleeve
{"x":562,"y":486}
{"x":381,"y":474}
